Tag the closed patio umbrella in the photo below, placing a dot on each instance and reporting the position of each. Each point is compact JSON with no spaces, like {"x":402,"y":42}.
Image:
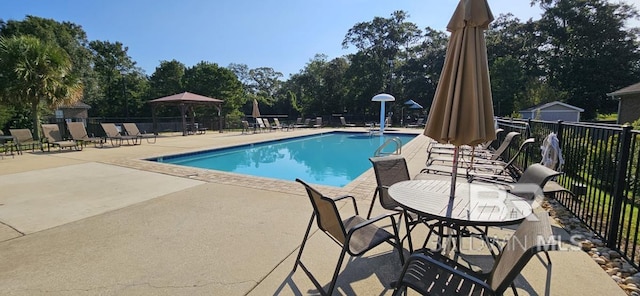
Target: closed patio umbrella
{"x":256,"y":110}
{"x":462,"y":108}
{"x":255,"y":113}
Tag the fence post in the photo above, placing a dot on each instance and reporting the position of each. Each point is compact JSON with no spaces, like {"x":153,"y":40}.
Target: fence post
{"x":559,"y":132}
{"x":619,"y":185}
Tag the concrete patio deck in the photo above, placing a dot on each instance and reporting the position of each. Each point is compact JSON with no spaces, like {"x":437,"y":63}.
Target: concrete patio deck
{"x":102,"y":221}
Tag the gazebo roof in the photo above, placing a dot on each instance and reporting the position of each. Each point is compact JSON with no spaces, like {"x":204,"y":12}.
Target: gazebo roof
{"x":186,"y":98}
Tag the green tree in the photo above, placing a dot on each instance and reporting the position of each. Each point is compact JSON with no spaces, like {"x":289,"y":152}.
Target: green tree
{"x":167,"y":79}
{"x":69,"y":36}
{"x":208,"y":79}
{"x":263,"y":84}
{"x":508,"y":81}
{"x":117,"y":79}
{"x":420,"y":74}
{"x":587,"y":50}
{"x":35,"y":73}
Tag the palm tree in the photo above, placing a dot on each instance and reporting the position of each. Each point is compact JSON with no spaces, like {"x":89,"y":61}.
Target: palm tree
{"x":34,"y":74}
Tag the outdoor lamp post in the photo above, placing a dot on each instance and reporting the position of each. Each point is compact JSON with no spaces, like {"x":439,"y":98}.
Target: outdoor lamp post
{"x":123,"y":72}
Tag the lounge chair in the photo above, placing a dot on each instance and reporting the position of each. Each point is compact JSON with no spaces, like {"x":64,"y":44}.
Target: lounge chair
{"x":267,"y":124}
{"x":23,"y":138}
{"x":79,"y":133}
{"x":260,"y":125}
{"x":132,"y":130}
{"x":431,"y":273}
{"x":53,"y":137}
{"x":245,"y":127}
{"x":277,"y":125}
{"x":530,"y":185}
{"x":345,"y":124}
{"x":318,"y":122}
{"x":496,"y":168}
{"x":440,"y":155}
{"x":307,"y":123}
{"x":355,"y":235}
{"x":481,"y":147}
{"x":419,"y":123}
{"x":115,"y":137}
{"x":7,"y":148}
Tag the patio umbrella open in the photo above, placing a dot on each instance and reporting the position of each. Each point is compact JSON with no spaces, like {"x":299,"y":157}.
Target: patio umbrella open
{"x":462,"y":108}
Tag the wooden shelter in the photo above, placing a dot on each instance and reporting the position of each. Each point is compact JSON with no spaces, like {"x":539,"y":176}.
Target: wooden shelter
{"x":185,"y":101}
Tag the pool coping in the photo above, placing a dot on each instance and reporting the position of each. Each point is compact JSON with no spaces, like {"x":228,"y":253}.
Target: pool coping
{"x":361,"y":187}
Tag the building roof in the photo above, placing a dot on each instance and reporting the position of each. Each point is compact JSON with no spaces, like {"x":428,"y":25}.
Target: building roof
{"x":629,"y":90}
{"x":547,"y":105}
{"x":77,"y":105}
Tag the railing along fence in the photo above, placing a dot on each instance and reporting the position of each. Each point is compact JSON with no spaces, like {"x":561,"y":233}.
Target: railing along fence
{"x":601,"y":164}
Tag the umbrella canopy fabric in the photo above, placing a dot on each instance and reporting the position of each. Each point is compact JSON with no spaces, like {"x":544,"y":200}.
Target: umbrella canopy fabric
{"x":415,"y":106}
{"x":462,"y":109}
{"x":410,"y":102}
{"x":256,"y":110}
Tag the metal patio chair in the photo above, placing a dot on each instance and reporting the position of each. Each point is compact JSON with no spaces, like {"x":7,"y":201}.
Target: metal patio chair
{"x":435,"y":274}
{"x":389,"y":170}
{"x":354,"y":234}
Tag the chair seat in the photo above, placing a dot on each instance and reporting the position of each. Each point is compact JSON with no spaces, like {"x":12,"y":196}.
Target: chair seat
{"x":367,"y":237}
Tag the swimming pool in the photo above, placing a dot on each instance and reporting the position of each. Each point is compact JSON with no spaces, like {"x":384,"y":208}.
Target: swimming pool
{"x":335,"y":158}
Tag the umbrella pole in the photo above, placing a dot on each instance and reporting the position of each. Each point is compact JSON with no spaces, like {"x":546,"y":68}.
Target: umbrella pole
{"x":454,"y":173}
{"x":452,"y":195}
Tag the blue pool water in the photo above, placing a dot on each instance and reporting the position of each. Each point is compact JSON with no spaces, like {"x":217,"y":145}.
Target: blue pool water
{"x":328,"y":159}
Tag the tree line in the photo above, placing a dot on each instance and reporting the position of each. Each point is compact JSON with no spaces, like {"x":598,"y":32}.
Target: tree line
{"x":577,"y":52}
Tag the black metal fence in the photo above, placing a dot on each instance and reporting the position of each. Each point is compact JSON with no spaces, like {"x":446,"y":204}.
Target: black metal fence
{"x":601,"y":164}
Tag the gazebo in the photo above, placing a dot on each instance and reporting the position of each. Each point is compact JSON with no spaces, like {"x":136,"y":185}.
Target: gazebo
{"x":185,"y":101}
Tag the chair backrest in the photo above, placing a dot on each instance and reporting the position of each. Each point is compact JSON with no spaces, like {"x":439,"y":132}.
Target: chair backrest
{"x":532,"y":236}
{"x":77,"y":130}
{"x":299,"y":120}
{"x":21,"y":135}
{"x":245,"y":124}
{"x":131,"y":128}
{"x":266,"y":122}
{"x":307,"y":121}
{"x":260,"y":123}
{"x":277,"y":122}
{"x":533,"y":179}
{"x":342,"y":120}
{"x":51,"y":132}
{"x":327,"y":214}
{"x":110,"y":129}
{"x":389,"y":170}
{"x":509,"y":167}
{"x":504,"y":145}
{"x":319,"y":121}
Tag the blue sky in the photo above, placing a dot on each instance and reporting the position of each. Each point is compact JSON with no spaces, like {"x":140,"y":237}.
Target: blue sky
{"x":281,"y":34}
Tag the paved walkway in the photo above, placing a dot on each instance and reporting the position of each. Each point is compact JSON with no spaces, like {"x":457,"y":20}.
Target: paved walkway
{"x":106,"y":222}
